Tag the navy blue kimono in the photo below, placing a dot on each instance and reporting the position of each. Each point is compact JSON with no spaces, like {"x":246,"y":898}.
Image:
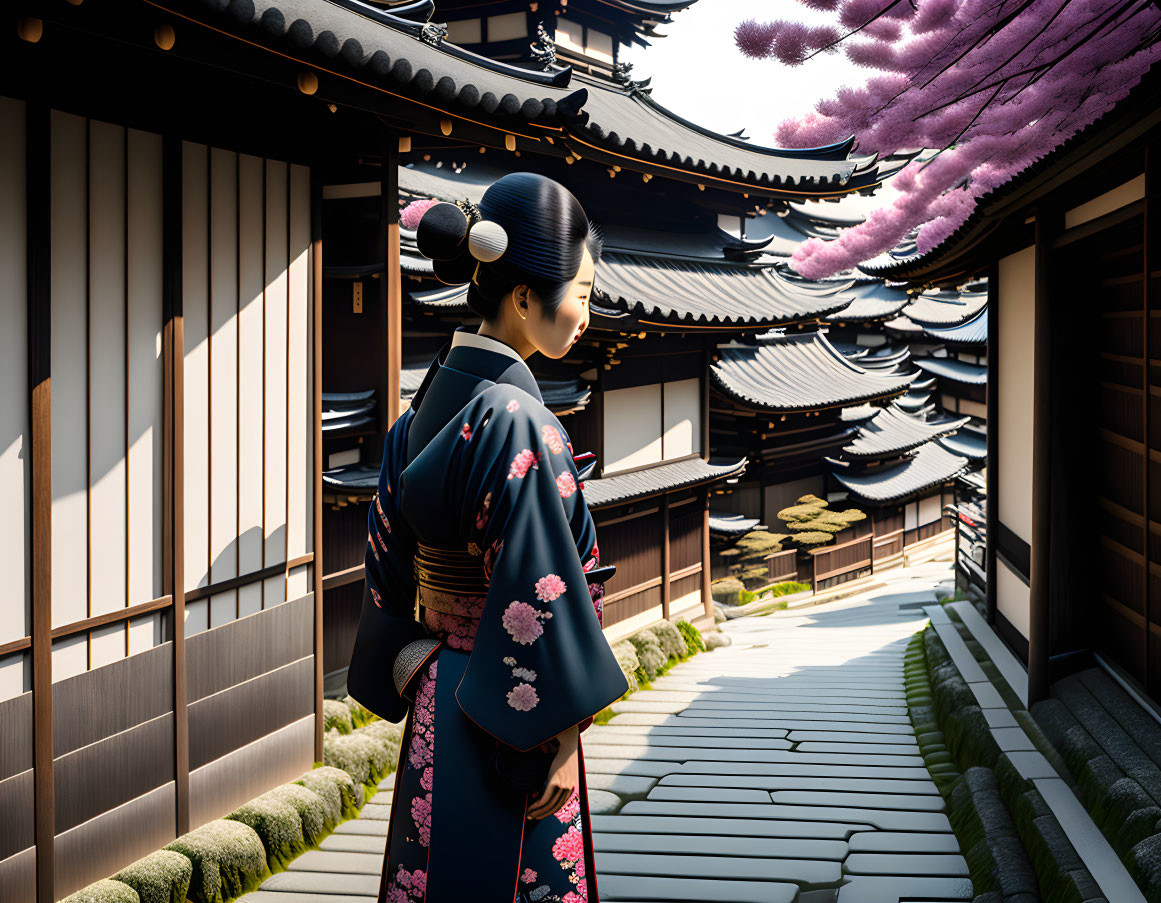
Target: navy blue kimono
{"x":479,"y":465}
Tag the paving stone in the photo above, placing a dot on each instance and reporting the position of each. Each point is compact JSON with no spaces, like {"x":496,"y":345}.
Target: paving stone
{"x":887,"y":819}
{"x":624,"y":785}
{"x":806,"y":769}
{"x":960,"y":654}
{"x":323,"y":883}
{"x":1032,"y":764}
{"x":685,"y":754}
{"x":947,"y":865}
{"x":799,"y":871}
{"x":705,"y":740}
{"x":338,"y":863}
{"x":635,"y":888}
{"x":881,"y":748}
{"x":373,"y":827}
{"x":709,"y":794}
{"x":281,"y":896}
{"x":602,"y":802}
{"x":683,"y":728}
{"x":375,"y":811}
{"x":808,"y":721}
{"x":354,"y":843}
{"x":922,"y":785}
{"x":703,"y":825}
{"x":1000,"y":717}
{"x":1007,"y":663}
{"x":873,"y":889}
{"x":1012,"y":738}
{"x":602,"y":765}
{"x":853,"y":737}
{"x":902,"y":842}
{"x":900,"y":801}
{"x":727,"y":845}
{"x":388,"y":783}
{"x":987,"y":694}
{"x":936,"y":613}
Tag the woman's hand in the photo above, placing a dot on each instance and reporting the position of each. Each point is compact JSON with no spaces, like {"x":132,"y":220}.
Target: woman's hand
{"x":563,"y":776}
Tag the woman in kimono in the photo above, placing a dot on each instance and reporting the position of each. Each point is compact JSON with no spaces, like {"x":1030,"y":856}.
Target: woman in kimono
{"x":480,"y":527}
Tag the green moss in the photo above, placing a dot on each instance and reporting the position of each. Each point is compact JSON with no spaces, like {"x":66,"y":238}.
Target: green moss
{"x":360,"y":715}
{"x":787,"y":588}
{"x":104,"y":891}
{"x":727,"y":590}
{"x":228,"y":860}
{"x":604,"y":716}
{"x":336,"y":716}
{"x":279,"y":826}
{"x":692,"y":636}
{"x":161,"y":877}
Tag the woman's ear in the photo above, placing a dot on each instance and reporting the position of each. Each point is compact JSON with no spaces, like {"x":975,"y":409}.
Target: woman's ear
{"x":521,"y":299}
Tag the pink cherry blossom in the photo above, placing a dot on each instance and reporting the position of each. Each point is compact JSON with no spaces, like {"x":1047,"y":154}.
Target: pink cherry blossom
{"x":410,"y":215}
{"x":466,"y":431}
{"x":565,"y":485}
{"x":524,"y":459}
{"x":427,"y":778}
{"x":513,"y":405}
{"x":523,"y":697}
{"x":568,"y":811}
{"x":419,"y":883}
{"x":421,"y":815}
{"x":549,"y":587}
{"x":521,"y":622}
{"x":529,"y":876}
{"x":573,"y":897}
{"x":569,"y":847}
{"x":551,"y":437}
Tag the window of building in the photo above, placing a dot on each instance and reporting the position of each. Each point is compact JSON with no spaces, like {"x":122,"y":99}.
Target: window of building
{"x":465,"y":31}
{"x":507,"y":27}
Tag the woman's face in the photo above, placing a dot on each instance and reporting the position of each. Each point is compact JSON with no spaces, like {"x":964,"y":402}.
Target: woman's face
{"x":554,"y":338}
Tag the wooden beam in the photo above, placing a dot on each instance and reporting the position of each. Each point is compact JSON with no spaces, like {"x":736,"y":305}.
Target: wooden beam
{"x":1151,"y":234}
{"x":316,"y":264}
{"x":173,"y":346}
{"x":392,"y":281}
{"x":992,"y":451}
{"x":666,"y":584}
{"x":1049,"y":223}
{"x":706,"y":598}
{"x":38,"y":150}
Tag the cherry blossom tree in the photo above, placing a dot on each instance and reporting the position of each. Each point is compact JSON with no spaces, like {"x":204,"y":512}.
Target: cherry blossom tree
{"x":992,"y":85}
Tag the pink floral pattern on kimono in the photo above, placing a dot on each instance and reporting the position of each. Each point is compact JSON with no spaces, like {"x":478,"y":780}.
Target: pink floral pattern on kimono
{"x":551,"y":436}
{"x":523,"y":697}
{"x":549,"y":587}
{"x":513,"y":405}
{"x":565,"y":484}
{"x":524,"y":460}
{"x":466,"y":431}
{"x":522,"y":623}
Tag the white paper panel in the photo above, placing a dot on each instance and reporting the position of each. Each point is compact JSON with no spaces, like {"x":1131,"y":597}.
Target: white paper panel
{"x":223,"y":377}
{"x":69,"y":277}
{"x":300,"y":448}
{"x":682,"y":418}
{"x":197,"y":616}
{"x":145,"y":633}
{"x":223,"y":608}
{"x":14,"y":678}
{"x":145,"y":370}
{"x":249,"y":599}
{"x":14,"y":489}
{"x":251,"y":242}
{"x":107,"y":328}
{"x":106,"y":645}
{"x":277,"y":287}
{"x":195,"y":307}
{"x":298,"y":581}
{"x":70,"y":657}
{"x":632,"y":428}
{"x":1016,"y":373}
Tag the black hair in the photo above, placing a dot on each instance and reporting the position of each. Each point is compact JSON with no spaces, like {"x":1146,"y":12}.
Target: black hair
{"x":546,"y":233}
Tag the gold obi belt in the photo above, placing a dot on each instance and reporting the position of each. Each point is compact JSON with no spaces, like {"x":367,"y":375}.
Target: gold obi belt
{"x":450,"y":571}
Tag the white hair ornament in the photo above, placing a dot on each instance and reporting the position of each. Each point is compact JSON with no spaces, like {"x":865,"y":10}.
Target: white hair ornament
{"x":487,"y":241}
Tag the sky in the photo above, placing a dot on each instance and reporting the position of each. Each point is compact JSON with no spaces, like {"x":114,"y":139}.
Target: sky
{"x":699,"y":73}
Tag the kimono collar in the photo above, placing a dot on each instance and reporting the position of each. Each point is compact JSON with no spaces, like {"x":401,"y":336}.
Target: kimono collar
{"x":481,"y":356}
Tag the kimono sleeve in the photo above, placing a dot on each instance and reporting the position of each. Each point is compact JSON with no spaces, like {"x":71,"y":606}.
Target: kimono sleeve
{"x":540,"y":663}
{"x":387,"y":623}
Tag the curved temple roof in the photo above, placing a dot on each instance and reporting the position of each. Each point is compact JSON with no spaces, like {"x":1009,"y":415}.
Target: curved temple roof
{"x":891,"y":431}
{"x":799,"y":373}
{"x":955,"y":370}
{"x":661,"y":478}
{"x":930,"y":466}
{"x":946,"y":308}
{"x":727,"y":523}
{"x":973,"y":331}
{"x":872,"y":301}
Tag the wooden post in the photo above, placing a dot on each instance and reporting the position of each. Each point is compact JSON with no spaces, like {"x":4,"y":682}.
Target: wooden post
{"x":316,"y":266}
{"x":665,"y":568}
{"x":706,"y":598}
{"x":38,"y":144}
{"x":391,"y":290}
{"x":707,"y":360}
{"x":992,"y":461}
{"x":173,"y":404}
{"x":1048,"y":225}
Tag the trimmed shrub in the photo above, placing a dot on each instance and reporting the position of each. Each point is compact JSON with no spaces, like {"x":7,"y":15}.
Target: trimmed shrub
{"x":391,"y":736}
{"x":714,"y":639}
{"x":727,"y":590}
{"x":1145,"y":867}
{"x":161,"y":877}
{"x":692,"y":636}
{"x":788,"y":588}
{"x":627,"y":658}
{"x":360,"y":715}
{"x":335,"y":786}
{"x":809,"y":539}
{"x":649,"y":654}
{"x":279,"y":826}
{"x":318,"y":818}
{"x":336,"y":716}
{"x":104,"y":891}
{"x":670,"y":639}
{"x":228,"y":860}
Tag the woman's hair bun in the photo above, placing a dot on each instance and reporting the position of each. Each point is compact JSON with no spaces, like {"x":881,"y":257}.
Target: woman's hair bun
{"x":441,"y":232}
{"x":487,"y":241}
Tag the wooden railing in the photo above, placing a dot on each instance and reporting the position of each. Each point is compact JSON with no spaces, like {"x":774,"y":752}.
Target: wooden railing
{"x":834,"y":561}
{"x":783,"y":565}
{"x":926,"y":531}
{"x":888,"y":545}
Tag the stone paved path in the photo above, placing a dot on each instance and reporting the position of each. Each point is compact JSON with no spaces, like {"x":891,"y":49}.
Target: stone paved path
{"x":780,"y":769}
